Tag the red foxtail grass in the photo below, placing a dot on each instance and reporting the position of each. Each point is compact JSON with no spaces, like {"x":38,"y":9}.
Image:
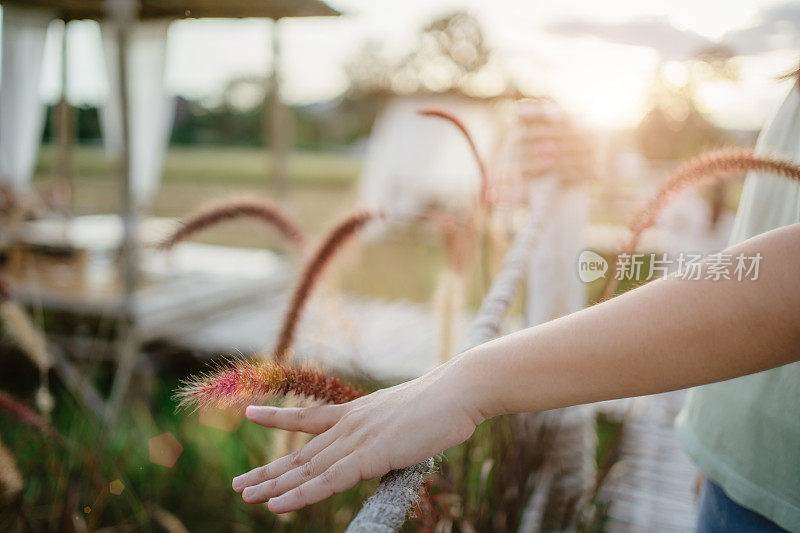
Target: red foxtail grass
{"x":458,"y":239}
{"x":232,"y":209}
{"x":458,"y":123}
{"x":8,"y":198}
{"x":23,"y":414}
{"x":714,"y":165}
{"x":245,"y":382}
{"x":5,"y":290}
{"x":333,"y":242}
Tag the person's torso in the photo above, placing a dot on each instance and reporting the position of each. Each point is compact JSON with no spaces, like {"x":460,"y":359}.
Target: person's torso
{"x":747,"y":430}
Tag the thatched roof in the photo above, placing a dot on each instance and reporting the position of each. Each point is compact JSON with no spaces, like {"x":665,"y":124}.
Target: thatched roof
{"x":274,"y":9}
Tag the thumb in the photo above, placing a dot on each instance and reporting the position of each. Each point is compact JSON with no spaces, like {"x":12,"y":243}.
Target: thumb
{"x":307,"y":419}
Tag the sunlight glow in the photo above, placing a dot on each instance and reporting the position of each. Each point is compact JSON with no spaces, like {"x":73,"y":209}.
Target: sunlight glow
{"x":602,"y":81}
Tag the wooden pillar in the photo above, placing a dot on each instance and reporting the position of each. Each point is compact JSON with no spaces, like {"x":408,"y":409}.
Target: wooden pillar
{"x":65,"y":132}
{"x":278,"y":126}
{"x":123,"y":14}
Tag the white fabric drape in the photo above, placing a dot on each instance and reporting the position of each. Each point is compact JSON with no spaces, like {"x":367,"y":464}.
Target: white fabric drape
{"x":21,"y":109}
{"x":150,"y":108}
{"x":413,"y":161}
{"x":553,"y":287}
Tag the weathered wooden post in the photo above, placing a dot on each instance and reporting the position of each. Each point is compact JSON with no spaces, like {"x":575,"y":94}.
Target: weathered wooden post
{"x":562,"y":441}
{"x":389,"y":506}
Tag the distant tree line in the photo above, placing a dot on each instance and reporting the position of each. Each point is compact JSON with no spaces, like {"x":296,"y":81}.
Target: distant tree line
{"x":339,"y":122}
{"x":675,"y":126}
{"x":451,"y":56}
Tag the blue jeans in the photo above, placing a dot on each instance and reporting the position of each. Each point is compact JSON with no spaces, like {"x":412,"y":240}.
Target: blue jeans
{"x":720,"y":514}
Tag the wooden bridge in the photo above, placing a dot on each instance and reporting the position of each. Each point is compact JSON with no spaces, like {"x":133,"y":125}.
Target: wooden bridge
{"x":651,"y":487}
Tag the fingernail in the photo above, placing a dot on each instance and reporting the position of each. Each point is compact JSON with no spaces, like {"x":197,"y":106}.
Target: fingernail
{"x":237,"y":483}
{"x":250,"y":411}
{"x":275,"y":504}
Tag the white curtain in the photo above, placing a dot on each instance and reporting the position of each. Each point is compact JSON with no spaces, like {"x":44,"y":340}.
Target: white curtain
{"x":553,"y":286}
{"x":150,"y":108}
{"x":21,"y":109}
{"x":412,"y":161}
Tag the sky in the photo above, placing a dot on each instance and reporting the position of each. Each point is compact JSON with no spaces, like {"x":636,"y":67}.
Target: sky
{"x":596,"y":58}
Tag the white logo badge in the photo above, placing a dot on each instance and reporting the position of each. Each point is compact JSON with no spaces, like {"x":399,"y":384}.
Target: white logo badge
{"x":591,"y":266}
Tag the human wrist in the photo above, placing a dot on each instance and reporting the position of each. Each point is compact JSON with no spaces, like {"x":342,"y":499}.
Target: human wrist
{"x":472,"y":385}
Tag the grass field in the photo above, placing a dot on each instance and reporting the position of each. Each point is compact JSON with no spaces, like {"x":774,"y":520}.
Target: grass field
{"x":218,"y":165}
{"x":322,"y":187}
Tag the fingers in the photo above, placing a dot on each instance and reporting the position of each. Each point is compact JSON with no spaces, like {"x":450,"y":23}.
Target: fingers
{"x":299,"y":474}
{"x":308,"y":419}
{"x":284,"y":464}
{"x":337,"y":478}
{"x":321,"y":468}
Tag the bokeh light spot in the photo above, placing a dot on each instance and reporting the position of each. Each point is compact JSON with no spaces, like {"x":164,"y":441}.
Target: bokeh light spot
{"x":116,"y":487}
{"x":164,"y":449}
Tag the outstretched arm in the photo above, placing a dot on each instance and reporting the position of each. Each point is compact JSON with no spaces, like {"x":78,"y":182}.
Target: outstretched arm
{"x":667,"y":335}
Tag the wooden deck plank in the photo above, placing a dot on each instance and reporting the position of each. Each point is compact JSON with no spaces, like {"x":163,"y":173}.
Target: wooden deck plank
{"x":652,"y":487}
{"x":385,"y":340}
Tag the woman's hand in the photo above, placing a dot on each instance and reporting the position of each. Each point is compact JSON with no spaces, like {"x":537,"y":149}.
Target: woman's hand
{"x":363,"y":439}
{"x":666,"y":335}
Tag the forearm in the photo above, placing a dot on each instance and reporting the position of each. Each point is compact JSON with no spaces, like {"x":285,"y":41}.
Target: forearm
{"x":667,"y":335}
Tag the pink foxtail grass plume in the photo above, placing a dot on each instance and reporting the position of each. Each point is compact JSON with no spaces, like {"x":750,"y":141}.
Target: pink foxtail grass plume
{"x":232,"y":209}
{"x":333,"y":242}
{"x":23,"y":414}
{"x":245,"y":382}
{"x":5,"y":290}
{"x":714,"y":165}
{"x":458,"y":123}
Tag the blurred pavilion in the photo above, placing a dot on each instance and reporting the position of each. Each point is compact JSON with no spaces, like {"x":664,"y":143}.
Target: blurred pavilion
{"x":136,"y":121}
{"x":149,"y":109}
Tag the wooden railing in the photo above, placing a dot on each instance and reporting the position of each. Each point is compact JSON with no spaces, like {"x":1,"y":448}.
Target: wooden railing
{"x":387,"y":509}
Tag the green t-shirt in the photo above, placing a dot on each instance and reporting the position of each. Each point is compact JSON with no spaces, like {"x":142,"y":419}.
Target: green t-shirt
{"x":744,"y":433}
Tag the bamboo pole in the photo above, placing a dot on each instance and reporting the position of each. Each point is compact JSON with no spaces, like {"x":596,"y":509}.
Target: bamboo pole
{"x":64,"y":134}
{"x":386,"y":510}
{"x":123,"y":14}
{"x":277,"y":125}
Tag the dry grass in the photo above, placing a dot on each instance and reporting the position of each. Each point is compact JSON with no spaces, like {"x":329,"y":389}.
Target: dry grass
{"x":10,"y":478}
